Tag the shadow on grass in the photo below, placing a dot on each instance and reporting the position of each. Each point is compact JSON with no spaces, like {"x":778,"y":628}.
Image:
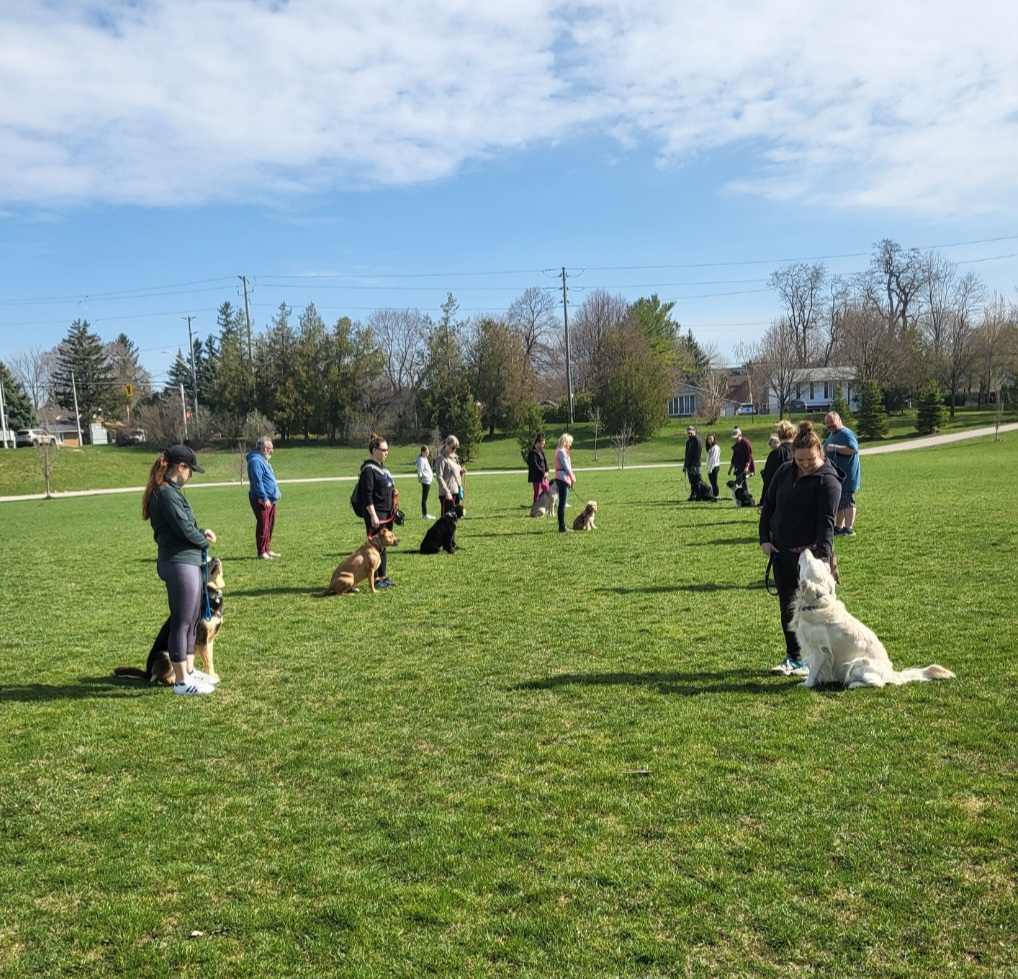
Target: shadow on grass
{"x":507,"y":533}
{"x":678,"y":684}
{"x":718,"y":541}
{"x":700,"y":587}
{"x":277,"y":590}
{"x":87,"y":688}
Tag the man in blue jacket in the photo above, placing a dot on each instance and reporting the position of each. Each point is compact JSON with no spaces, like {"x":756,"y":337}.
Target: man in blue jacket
{"x":263,"y":494}
{"x":842,"y":448}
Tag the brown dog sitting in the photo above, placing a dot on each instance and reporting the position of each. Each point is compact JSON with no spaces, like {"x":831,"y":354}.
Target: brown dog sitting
{"x":585,"y":521}
{"x":362,"y":564}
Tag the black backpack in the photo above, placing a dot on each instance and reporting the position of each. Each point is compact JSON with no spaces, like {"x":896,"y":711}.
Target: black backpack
{"x":355,"y":497}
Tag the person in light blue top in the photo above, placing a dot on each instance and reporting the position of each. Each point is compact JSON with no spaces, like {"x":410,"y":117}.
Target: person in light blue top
{"x":842,"y":448}
{"x":263,"y":494}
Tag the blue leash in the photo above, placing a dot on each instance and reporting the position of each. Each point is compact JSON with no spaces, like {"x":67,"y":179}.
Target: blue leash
{"x":206,"y":605}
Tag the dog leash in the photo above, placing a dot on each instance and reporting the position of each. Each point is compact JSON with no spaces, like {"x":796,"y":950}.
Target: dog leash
{"x":206,"y":605}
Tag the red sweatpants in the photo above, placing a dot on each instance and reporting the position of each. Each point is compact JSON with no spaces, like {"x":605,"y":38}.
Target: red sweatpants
{"x":265,"y":522}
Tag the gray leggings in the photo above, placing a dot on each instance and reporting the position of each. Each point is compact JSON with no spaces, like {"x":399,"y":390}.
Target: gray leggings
{"x":183,"y":590}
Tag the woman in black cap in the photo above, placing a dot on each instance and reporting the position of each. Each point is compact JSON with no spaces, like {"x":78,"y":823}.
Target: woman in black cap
{"x":182,"y":547}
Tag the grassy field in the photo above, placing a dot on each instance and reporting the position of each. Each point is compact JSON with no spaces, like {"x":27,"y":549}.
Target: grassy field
{"x":110,"y":467}
{"x":547,"y":756}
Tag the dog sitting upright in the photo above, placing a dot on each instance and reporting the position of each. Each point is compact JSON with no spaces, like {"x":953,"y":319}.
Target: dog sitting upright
{"x":546,"y":504}
{"x":836,"y":646}
{"x":158,"y":668}
{"x":740,"y":493}
{"x":585,"y":519}
{"x":441,"y":535}
{"x":362,"y":565}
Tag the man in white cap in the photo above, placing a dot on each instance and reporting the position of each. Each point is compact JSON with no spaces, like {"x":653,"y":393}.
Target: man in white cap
{"x":742,"y":458}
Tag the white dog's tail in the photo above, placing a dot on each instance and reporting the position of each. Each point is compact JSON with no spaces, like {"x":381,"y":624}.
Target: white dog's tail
{"x":919,"y":674}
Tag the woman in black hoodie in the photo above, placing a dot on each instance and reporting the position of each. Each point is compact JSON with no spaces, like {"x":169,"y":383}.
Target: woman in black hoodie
{"x":798,"y":512}
{"x":537,"y":465}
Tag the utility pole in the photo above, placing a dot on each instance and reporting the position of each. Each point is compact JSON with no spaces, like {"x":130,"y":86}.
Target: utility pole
{"x":3,"y":415}
{"x":194,"y":376}
{"x":247,"y":317}
{"x":183,"y":410}
{"x":77,"y":416}
{"x":569,"y":369}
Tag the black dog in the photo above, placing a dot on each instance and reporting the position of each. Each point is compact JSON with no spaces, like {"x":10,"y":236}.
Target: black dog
{"x":741,"y":493}
{"x":441,"y":536}
{"x":701,"y":492}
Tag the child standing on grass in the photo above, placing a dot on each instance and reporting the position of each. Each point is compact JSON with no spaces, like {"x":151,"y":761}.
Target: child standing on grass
{"x":424,"y":476}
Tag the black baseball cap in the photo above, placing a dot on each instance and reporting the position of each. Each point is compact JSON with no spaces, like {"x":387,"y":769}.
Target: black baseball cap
{"x":177,"y":454}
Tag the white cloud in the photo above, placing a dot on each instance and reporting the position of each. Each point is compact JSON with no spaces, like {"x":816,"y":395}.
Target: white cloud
{"x":891,"y":104}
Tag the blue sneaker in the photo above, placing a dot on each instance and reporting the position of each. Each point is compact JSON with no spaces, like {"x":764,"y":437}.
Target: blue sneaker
{"x":790,"y":667}
{"x":385,"y":583}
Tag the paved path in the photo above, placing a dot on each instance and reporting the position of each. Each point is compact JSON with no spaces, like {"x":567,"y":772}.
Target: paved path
{"x":918,"y":443}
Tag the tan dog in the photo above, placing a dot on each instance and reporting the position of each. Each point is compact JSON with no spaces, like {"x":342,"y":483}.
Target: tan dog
{"x":585,"y":520}
{"x":362,"y":564}
{"x":546,"y":504}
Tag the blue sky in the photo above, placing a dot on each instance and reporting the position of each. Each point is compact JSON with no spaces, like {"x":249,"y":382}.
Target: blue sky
{"x":139,"y":152}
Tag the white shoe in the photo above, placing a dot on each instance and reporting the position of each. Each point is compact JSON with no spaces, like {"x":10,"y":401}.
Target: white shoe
{"x":202,"y":677}
{"x":193,"y":688}
{"x":428,"y":516}
{"x":274,"y":554}
{"x":265,"y":557}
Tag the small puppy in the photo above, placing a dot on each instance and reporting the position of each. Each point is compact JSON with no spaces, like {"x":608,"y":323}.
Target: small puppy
{"x":158,"y":668}
{"x":362,"y":564}
{"x":836,"y":646}
{"x":546,"y":505}
{"x":740,"y":493}
{"x":585,"y":519}
{"x":441,"y":535}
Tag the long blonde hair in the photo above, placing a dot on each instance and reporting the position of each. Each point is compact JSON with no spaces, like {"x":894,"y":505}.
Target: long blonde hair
{"x":155,"y":476}
{"x":565,"y":441}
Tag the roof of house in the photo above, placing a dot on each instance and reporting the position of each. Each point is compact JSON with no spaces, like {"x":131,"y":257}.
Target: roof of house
{"x":824,"y":374}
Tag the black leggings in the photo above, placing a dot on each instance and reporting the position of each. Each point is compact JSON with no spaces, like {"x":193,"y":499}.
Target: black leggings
{"x":425,"y":490}
{"x":183,"y":591}
{"x":786,"y":577}
{"x":712,"y":475}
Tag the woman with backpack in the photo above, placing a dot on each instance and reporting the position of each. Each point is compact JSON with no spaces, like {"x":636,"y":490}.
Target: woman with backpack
{"x":375,"y":499}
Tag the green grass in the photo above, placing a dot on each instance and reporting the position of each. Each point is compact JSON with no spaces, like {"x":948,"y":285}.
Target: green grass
{"x":107,"y":467}
{"x":546,"y":756}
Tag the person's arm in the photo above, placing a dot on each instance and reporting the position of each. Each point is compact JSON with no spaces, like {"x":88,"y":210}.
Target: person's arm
{"x":255,"y":480}
{"x":828,"y":498}
{"x":367,"y":490}
{"x":766,"y":512}
{"x":442,"y":474}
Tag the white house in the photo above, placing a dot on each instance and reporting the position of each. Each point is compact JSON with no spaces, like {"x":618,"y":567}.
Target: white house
{"x":688,"y":400}
{"x":815,"y":388}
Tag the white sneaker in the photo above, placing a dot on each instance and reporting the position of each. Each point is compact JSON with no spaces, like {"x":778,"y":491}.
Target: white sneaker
{"x":202,"y":677}
{"x":274,"y":554}
{"x":428,"y":516}
{"x":265,"y":557}
{"x":193,"y":688}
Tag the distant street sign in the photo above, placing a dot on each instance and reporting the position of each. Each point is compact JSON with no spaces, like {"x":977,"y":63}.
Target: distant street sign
{"x":129,"y":390}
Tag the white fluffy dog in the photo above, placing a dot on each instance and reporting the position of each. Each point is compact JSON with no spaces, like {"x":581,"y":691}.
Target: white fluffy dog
{"x":546,"y":504}
{"x":836,"y":646}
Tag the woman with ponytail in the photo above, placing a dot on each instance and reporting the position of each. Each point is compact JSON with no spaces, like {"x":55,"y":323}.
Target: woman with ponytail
{"x":798,"y":512}
{"x":182,"y":550}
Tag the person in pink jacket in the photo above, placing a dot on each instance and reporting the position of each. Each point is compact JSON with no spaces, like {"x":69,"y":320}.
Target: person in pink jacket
{"x":564,"y":478}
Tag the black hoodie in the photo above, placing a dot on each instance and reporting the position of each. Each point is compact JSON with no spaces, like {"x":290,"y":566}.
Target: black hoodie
{"x":798,"y":511}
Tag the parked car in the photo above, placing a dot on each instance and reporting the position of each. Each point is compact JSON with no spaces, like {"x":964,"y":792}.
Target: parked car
{"x":797,"y":405}
{"x":34,"y":436}
{"x":131,"y":436}
{"x":746,"y":408}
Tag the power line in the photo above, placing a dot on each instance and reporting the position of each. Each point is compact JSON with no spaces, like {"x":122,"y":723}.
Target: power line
{"x":142,"y":292}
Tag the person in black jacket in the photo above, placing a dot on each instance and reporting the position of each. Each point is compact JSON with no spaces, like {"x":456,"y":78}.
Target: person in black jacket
{"x":778,"y":456}
{"x":798,"y":512}
{"x":537,"y":466}
{"x":182,"y":553}
{"x":691,"y":461}
{"x":376,"y":489}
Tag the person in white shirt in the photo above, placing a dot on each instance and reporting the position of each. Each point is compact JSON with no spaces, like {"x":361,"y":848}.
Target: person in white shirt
{"x":424,"y":477}
{"x":713,"y":462}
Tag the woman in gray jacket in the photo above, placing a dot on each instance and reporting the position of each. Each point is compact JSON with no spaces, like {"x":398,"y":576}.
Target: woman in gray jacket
{"x":449,"y":474}
{"x":182,"y":549}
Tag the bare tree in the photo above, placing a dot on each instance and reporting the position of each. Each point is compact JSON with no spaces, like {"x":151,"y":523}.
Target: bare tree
{"x":800,"y":287}
{"x":940,"y":280}
{"x":401,"y":334}
{"x":596,"y":424}
{"x":622,"y":438}
{"x":34,"y":368}
{"x":866,"y":342}
{"x":713,"y":385}
{"x":991,"y":343}
{"x":836,"y":305}
{"x":959,"y":339}
{"x":778,"y":356}
{"x":533,"y":314}
{"x":899,"y":275}
{"x":600,"y":313}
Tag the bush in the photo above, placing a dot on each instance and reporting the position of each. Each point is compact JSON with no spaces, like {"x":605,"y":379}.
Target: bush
{"x":528,"y":420}
{"x":872,"y":422}
{"x":930,"y":410}
{"x":840,"y":405}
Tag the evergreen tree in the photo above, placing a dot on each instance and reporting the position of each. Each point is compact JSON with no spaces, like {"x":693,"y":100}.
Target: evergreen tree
{"x":82,"y":354}
{"x":871,"y":420}
{"x":17,"y":404}
{"x":930,"y":409}
{"x":840,"y":405}
{"x":179,"y":373}
{"x":275,"y":368}
{"x":128,"y":375}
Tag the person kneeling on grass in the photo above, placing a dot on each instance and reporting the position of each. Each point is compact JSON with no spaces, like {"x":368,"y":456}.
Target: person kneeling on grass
{"x":798,"y":513}
{"x":182,"y":552}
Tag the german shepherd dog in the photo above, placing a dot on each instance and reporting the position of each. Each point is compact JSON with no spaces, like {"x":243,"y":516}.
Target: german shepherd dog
{"x":158,"y":668}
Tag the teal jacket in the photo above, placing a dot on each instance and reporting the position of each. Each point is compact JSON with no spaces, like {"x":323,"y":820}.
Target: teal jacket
{"x":174,"y":527}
